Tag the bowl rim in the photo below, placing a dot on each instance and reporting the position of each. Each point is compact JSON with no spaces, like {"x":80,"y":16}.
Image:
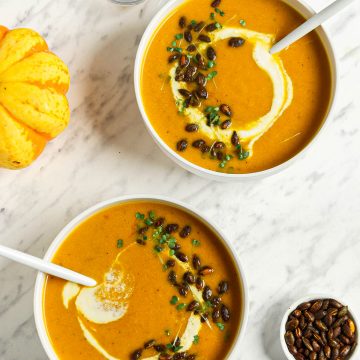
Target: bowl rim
{"x":310,"y":297}
{"x":306,"y":11}
{"x":62,"y":235}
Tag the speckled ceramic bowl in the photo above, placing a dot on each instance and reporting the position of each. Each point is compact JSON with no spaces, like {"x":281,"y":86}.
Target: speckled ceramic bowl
{"x":302,"y":7}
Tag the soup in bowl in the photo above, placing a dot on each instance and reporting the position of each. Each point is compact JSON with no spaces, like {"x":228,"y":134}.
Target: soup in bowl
{"x":216,"y":100}
{"x":169,"y":286}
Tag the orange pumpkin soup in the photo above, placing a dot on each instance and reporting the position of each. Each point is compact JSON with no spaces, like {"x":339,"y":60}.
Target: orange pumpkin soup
{"x":167,"y":286}
{"x":214,"y":94}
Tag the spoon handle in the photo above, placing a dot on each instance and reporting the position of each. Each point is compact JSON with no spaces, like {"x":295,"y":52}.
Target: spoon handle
{"x":310,"y":25}
{"x":46,"y":267}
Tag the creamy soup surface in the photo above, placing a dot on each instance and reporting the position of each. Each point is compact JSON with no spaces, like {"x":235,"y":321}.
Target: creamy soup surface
{"x":275,"y":104}
{"x":146,"y":291}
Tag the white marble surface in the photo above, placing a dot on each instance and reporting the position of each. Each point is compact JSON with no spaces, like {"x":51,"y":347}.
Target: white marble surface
{"x":297,"y":232}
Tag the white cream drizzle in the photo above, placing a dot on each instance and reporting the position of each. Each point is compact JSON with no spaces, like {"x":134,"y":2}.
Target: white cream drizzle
{"x":271,"y":64}
{"x":70,"y":291}
{"x":107,"y":303}
{"x":94,"y":343}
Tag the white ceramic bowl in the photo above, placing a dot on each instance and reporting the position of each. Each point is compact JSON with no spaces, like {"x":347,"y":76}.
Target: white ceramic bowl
{"x":354,"y":355}
{"x":40,"y":281}
{"x":302,"y":7}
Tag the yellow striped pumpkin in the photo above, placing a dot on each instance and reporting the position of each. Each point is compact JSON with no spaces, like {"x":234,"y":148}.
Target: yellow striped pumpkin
{"x":33,"y":106}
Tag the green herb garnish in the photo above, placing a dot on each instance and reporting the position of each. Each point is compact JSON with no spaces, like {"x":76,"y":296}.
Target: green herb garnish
{"x":120,"y":243}
{"x":196,"y":339}
{"x":174,"y":300}
{"x":179,"y":36}
{"x":242,"y":22}
{"x":211,"y":109}
{"x":174,"y":48}
{"x":212,"y":16}
{"x":140,"y":216}
{"x":158,"y":248}
{"x":181,"y":104}
{"x":212,"y":75}
{"x":225,"y":161}
{"x":209,"y":304}
{"x":211,"y":64}
{"x":172,"y":252}
{"x":148,"y":222}
{"x":196,"y":242}
{"x":217,"y":10}
{"x":177,"y":348}
{"x":172,"y":243}
{"x":212,"y":114}
{"x":242,"y":154}
{"x":173,"y":348}
{"x":218,"y":25}
{"x":220,"y":325}
{"x":180,"y":306}
{"x":173,"y":43}
{"x":193,"y":22}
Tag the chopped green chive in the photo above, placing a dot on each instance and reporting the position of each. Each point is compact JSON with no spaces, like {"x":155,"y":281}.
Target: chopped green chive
{"x":140,"y":216}
{"x":212,"y":16}
{"x":218,"y":25}
{"x":211,"y":108}
{"x":180,"y":306}
{"x":221,"y":326}
{"x":217,"y":10}
{"x":179,"y":36}
{"x":227,"y":158}
{"x":196,"y":339}
{"x":212,"y":75}
{"x":208,"y":304}
{"x":242,"y":154}
{"x":173,"y":43}
{"x":196,"y":242}
{"x":165,"y":267}
{"x":212,"y":113}
{"x":242,"y":22}
{"x":172,"y":252}
{"x":172,"y":243}
{"x":211,"y":64}
{"x":174,"y":300}
{"x":158,"y":248}
{"x":193,"y":22}
{"x":120,"y":243}
{"x":148,"y":222}
{"x":152,"y":215}
{"x":172,"y":49}
{"x":177,"y":348}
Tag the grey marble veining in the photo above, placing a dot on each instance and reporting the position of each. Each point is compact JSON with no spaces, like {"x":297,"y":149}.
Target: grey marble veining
{"x":297,"y":232}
